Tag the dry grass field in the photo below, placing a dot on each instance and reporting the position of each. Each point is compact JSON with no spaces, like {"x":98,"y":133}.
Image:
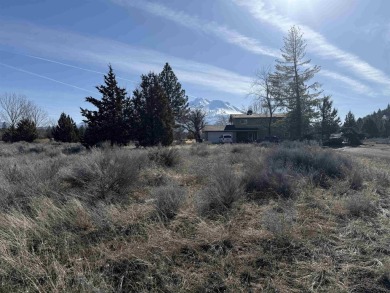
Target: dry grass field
{"x":228,"y":218}
{"x":380,"y":151}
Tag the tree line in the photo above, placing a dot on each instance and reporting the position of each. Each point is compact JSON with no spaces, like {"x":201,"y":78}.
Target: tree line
{"x":156,"y":112}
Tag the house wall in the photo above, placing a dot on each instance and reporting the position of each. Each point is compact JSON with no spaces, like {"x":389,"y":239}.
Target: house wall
{"x":213,"y":136}
{"x":260,"y":123}
{"x":253,"y":122}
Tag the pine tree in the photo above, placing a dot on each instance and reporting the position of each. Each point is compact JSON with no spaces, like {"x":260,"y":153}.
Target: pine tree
{"x":26,"y":130}
{"x":350,"y":130}
{"x":111,"y":121}
{"x":175,"y":94}
{"x":350,"y":121}
{"x":66,"y":130}
{"x":293,"y":73}
{"x":370,"y":128}
{"x":152,"y":113}
{"x":330,"y":122}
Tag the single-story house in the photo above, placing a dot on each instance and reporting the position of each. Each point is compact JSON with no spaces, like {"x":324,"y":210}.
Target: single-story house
{"x":212,"y":133}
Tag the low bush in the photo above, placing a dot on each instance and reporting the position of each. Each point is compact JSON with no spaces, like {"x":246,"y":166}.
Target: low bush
{"x":200,"y":149}
{"x":107,"y":174}
{"x":165,"y":156}
{"x":269,"y":182}
{"x":223,"y":190}
{"x":356,"y":180}
{"x":306,"y":160}
{"x":279,"y":170}
{"x":359,"y":205}
{"x":72,"y":149}
{"x":168,"y":200}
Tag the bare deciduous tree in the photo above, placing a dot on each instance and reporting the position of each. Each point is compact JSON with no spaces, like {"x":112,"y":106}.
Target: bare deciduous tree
{"x":194,"y":122}
{"x":14,"y":108}
{"x":267,"y":92}
{"x":37,"y":114}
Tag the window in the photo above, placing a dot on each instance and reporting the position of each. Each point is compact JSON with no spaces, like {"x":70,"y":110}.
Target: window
{"x":243,"y":121}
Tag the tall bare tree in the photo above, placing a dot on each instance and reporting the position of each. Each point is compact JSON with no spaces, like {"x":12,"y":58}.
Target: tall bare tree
{"x":36,"y":114}
{"x":267,"y":92}
{"x":194,"y":122}
{"x":294,"y":73}
{"x":14,"y":108}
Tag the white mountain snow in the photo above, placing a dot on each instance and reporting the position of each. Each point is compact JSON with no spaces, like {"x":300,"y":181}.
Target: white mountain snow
{"x":214,"y":109}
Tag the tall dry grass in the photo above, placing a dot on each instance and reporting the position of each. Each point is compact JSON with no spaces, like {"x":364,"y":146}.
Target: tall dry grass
{"x":239,"y":218}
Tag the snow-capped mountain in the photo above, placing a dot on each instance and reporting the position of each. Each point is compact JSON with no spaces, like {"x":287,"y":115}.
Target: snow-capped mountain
{"x":214,"y":109}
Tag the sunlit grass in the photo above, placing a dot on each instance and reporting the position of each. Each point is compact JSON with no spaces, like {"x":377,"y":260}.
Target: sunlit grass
{"x":130,"y":222}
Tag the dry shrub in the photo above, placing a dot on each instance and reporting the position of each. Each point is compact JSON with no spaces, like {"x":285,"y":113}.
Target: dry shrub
{"x":265,"y":182}
{"x":360,"y":205}
{"x":243,"y":153}
{"x":280,"y":169}
{"x":200,"y":149}
{"x":168,"y":200}
{"x":24,"y":177}
{"x":199,"y":168}
{"x":356,"y":180}
{"x":223,"y":190}
{"x":165,"y":156}
{"x":107,"y":174}
{"x":378,"y":174}
{"x":306,"y":160}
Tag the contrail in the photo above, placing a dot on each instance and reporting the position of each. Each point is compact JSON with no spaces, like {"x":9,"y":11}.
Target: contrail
{"x":57,"y":81}
{"x":47,"y":78}
{"x":68,"y":65}
{"x":64,"y":64}
{"x":76,"y":67}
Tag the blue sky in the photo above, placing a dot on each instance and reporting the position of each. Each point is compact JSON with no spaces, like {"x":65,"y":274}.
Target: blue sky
{"x":56,"y":52}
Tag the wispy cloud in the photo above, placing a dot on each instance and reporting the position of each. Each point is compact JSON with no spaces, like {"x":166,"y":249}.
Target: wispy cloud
{"x":318,"y":43}
{"x":353,"y":84}
{"x":195,"y":23}
{"x":50,"y":44}
{"x":230,"y":36}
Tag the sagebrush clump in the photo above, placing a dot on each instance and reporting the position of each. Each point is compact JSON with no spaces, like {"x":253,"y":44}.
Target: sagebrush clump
{"x":168,"y":200}
{"x":223,"y":190}
{"x":106,"y":174}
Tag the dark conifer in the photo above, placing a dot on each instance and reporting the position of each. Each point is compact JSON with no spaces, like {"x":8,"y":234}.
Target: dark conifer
{"x":66,"y":130}
{"x":111,"y":120}
{"x":330,"y":121}
{"x":152,"y":113}
{"x":26,"y":130}
{"x":176,"y":95}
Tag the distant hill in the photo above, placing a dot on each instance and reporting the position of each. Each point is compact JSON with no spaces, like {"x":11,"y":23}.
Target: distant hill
{"x":214,"y":108}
